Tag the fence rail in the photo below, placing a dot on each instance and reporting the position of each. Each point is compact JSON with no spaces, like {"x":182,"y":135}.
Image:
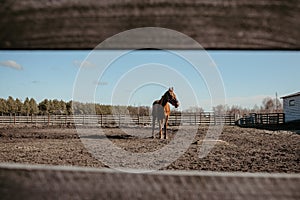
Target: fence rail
{"x":255,"y":120}
{"x":245,"y":24}
{"x":19,"y":181}
{"x":119,"y":120}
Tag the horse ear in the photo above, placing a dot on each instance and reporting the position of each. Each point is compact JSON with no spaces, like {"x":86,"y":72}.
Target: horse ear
{"x":171,"y":89}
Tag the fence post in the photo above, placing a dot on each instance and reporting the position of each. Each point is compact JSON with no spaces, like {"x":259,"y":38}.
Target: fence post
{"x":101,"y":120}
{"x":15,"y":118}
{"x":48,"y":119}
{"x":200,"y":118}
{"x":215,"y":119}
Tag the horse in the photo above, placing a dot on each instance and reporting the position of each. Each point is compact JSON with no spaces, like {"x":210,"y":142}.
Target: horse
{"x":161,"y":111}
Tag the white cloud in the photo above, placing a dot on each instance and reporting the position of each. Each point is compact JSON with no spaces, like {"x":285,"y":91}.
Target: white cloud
{"x":35,"y":82}
{"x":84,"y":63}
{"x":11,"y":64}
{"x":100,"y":83}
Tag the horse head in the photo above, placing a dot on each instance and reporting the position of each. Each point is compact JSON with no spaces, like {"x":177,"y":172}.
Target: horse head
{"x":171,"y":97}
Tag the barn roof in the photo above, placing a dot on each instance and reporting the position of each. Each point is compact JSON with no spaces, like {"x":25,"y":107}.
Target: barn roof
{"x":291,"y":95}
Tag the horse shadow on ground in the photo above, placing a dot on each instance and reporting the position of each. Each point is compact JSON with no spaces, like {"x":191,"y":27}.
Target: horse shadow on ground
{"x":124,"y":136}
{"x":116,"y":137}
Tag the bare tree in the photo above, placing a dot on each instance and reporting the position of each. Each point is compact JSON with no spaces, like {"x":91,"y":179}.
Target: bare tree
{"x":220,"y":109}
{"x":271,"y":105}
{"x":194,"y":109}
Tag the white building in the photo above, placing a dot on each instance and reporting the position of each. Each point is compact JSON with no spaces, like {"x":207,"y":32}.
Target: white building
{"x":291,"y":107}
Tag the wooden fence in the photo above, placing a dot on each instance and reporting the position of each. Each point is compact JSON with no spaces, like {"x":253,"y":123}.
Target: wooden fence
{"x":118,"y":120}
{"x":235,"y":24}
{"x":20,"y":181}
{"x":261,"y":120}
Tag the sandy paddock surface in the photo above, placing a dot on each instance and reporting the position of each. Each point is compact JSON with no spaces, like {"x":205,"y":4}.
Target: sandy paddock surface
{"x":237,"y":149}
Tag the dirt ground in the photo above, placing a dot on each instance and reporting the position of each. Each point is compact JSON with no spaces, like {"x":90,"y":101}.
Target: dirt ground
{"x":237,"y":149}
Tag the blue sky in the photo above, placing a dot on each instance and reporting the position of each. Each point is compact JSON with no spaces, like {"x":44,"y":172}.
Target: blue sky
{"x":248,"y":76}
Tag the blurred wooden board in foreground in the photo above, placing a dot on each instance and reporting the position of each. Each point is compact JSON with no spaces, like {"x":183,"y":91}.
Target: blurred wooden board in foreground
{"x":215,"y":24}
{"x":19,"y":181}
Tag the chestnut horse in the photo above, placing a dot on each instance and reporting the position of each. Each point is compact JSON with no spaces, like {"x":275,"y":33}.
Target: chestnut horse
{"x":161,"y":111}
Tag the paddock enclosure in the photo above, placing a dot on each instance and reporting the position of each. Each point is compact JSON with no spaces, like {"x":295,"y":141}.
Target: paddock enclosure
{"x":254,"y":164}
{"x":119,"y":120}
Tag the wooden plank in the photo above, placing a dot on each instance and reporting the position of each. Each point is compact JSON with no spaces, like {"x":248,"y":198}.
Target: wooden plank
{"x":215,"y":24}
{"x":19,"y":181}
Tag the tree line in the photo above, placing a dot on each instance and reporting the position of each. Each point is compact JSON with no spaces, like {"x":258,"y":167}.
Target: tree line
{"x":59,"y":107}
{"x":268,"y":105}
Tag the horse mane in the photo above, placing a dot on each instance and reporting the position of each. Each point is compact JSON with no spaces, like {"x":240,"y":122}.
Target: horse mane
{"x":162,"y":101}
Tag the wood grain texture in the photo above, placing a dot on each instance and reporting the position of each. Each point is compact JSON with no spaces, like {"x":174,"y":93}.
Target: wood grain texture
{"x":43,"y":182}
{"x":215,"y":24}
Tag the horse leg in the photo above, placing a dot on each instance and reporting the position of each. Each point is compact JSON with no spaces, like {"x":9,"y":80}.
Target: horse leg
{"x":165,"y":128}
{"x":160,"y":128}
{"x":153,"y":126}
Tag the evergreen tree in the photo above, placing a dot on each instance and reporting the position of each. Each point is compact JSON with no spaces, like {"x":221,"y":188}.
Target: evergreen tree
{"x":26,"y":107}
{"x":33,"y":106}
{"x":78,"y":108}
{"x":19,"y":106}
{"x":69,"y":107}
{"x":3,"y":107}
{"x":63,"y":107}
{"x":11,"y":104}
{"x":54,"y":106}
{"x":44,"y":106}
